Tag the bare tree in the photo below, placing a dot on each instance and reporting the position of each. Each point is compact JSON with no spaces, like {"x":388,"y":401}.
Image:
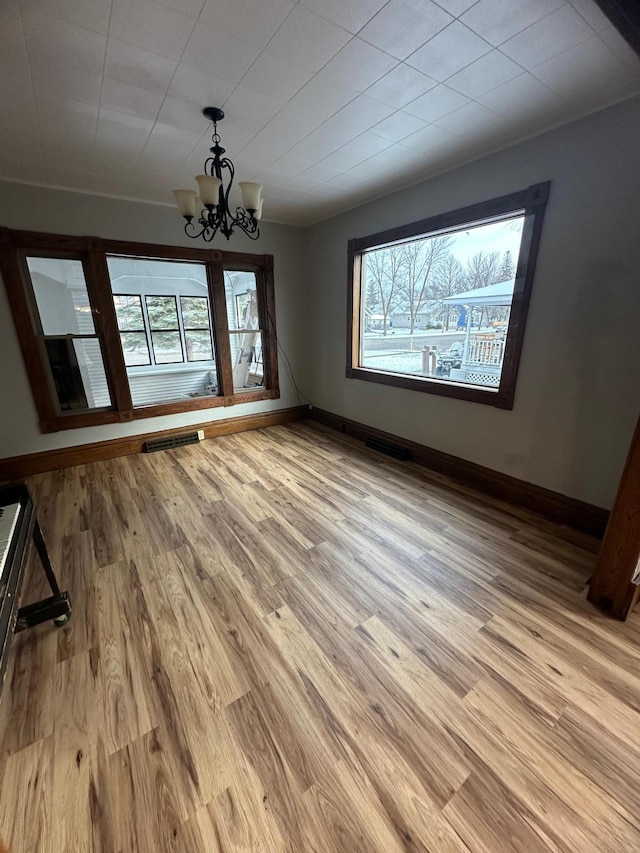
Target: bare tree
{"x":421,"y":261}
{"x":482,"y":269}
{"x":384,"y":271}
{"x":449,"y":280}
{"x":507,"y":270}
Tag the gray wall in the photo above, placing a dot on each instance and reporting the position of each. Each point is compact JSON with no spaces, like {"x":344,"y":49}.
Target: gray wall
{"x":61,"y":212}
{"x":577,"y":397}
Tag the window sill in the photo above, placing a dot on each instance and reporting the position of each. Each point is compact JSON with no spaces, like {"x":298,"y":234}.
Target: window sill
{"x":210,"y":402}
{"x":177,"y":367}
{"x":471,"y":393}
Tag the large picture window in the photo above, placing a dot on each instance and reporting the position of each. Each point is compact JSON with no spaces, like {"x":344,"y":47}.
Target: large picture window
{"x":112,"y":331}
{"x":440,"y":305}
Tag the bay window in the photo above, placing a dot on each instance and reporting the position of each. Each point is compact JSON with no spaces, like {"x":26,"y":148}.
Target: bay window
{"x":112,"y":331}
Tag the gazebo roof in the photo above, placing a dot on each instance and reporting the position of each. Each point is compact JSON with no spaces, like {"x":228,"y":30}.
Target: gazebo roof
{"x":493,"y":294}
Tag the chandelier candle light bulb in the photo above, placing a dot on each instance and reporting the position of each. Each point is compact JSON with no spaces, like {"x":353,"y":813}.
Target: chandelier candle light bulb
{"x":209,"y":212}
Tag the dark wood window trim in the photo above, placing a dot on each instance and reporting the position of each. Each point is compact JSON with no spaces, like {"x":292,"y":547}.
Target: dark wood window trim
{"x":16,"y":246}
{"x":532,"y":201}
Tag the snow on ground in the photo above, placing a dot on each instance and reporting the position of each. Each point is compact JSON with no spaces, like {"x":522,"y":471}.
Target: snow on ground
{"x":397,"y":362}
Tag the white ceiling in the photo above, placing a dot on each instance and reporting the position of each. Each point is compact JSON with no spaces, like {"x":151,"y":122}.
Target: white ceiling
{"x":328,"y":102}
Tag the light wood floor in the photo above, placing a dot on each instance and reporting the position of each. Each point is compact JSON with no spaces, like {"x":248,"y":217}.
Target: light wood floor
{"x":284,"y":642}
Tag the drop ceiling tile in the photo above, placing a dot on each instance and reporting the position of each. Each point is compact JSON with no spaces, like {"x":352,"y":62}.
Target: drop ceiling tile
{"x":497,"y":21}
{"x":184,"y":115}
{"x":587,"y":72}
{"x":51,"y":40}
{"x":301,"y":184}
{"x":589,"y":10}
{"x":449,"y":51}
{"x":192,"y":8}
{"x":13,"y":51}
{"x":469,"y":116}
{"x":356,"y":151}
{"x":358,"y":65}
{"x":291,"y":166}
{"x":18,"y":146}
{"x":129,"y":99}
{"x":308,"y":40}
{"x":621,"y":48}
{"x":402,"y":26}
{"x":221,"y":55}
{"x":400,"y":86}
{"x":12,"y":170}
{"x":428,"y":138}
{"x":199,"y":87}
{"x":16,"y":85}
{"x":64,"y":152}
{"x":91,"y":14}
{"x":318,"y":100}
{"x":352,"y":15}
{"x":456,"y":7}
{"x":254,"y":21}
{"x":66,"y":111}
{"x":160,"y":160}
{"x":113,"y":121}
{"x":148,"y":190}
{"x":524,"y":95}
{"x":271,"y":75}
{"x":320,"y":172}
{"x":69,"y":179}
{"x":53,"y":80}
{"x":359,"y":115}
{"x":180,"y":138}
{"x":484,"y":74}
{"x":151,"y":26}
{"x":256,"y":109}
{"x":436,"y":103}
{"x":138,"y":67}
{"x":325,"y":191}
{"x":116,"y":185}
{"x":317,"y":145}
{"x":271,"y":178}
{"x":398,"y":126}
{"x":550,"y":36}
{"x":115,"y":148}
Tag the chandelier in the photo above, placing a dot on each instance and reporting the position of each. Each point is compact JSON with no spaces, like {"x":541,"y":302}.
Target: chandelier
{"x":209,"y":212}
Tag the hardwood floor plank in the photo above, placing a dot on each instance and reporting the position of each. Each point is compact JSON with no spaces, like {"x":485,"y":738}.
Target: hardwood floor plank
{"x":284,"y":642}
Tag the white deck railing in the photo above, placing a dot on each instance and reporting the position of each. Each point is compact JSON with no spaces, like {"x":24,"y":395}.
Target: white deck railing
{"x":485,"y":352}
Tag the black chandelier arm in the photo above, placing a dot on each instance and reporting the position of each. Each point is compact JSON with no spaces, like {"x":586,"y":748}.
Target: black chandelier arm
{"x":207,"y":231}
{"x":247,"y":223}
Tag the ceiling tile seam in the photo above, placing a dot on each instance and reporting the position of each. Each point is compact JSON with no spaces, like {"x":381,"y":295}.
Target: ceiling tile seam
{"x":384,"y":6}
{"x":274,"y":117}
{"x":196,"y":21}
{"x":562,"y":53}
{"x":104,"y":66}
{"x":413,"y":182}
{"x":208,"y":131}
{"x":371,"y":156}
{"x":449,"y":12}
{"x":578,"y":12}
{"x":555,"y":56}
{"x":428,"y":176}
{"x":33,"y":90}
{"x":497,"y":47}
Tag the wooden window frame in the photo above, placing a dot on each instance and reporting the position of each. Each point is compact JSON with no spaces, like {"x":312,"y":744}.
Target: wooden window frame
{"x":16,"y":246}
{"x":533,"y":202}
